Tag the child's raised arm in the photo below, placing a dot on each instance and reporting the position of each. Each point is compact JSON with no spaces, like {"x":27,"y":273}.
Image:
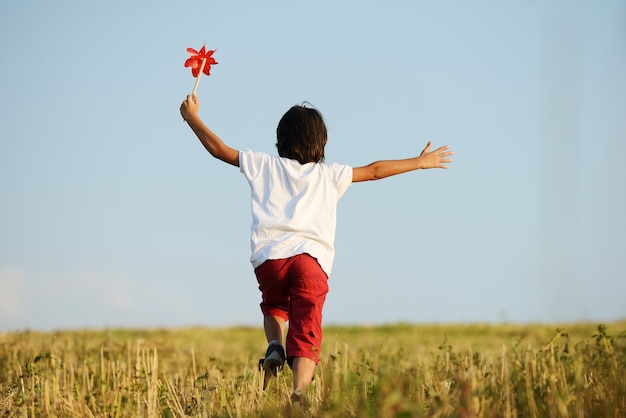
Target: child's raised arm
{"x":381,"y":169}
{"x":189,"y":111}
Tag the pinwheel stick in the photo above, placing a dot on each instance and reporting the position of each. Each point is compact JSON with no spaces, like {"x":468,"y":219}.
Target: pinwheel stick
{"x":195,"y":86}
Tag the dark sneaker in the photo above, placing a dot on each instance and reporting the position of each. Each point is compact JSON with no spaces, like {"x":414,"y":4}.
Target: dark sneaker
{"x":273,"y":362}
{"x":274,"y":359}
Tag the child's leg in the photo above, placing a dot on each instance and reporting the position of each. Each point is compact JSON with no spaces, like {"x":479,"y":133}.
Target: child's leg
{"x":294,"y":289}
{"x":273,"y":286}
{"x":272,"y":280}
{"x":308,"y":286}
{"x":274,"y":328}
{"x":303,"y":369}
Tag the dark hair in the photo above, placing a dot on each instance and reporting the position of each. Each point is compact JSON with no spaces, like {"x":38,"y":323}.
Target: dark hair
{"x":302,"y":135}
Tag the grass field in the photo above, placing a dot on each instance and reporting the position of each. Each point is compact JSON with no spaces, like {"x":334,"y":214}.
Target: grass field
{"x":575,"y":370}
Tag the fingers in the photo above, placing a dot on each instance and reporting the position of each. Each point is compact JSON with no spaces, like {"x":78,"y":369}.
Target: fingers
{"x":437,"y":158}
{"x":444,"y":161}
{"x":193,"y":98}
{"x":189,"y":105}
{"x":442,"y":157}
{"x":443,"y":152}
{"x":426,"y":150}
{"x":442,"y":149}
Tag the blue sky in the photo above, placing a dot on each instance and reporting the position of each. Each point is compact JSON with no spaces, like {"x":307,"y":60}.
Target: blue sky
{"x":112,"y":214}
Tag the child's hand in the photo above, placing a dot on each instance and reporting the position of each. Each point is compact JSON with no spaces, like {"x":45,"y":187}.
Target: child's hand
{"x":436,"y":158}
{"x":190,"y":106}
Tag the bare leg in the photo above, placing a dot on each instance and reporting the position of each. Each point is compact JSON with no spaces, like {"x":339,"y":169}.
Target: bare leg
{"x":274,"y":328}
{"x":303,"y":369}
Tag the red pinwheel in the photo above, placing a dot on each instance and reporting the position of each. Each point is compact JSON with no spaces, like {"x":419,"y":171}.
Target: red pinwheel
{"x":200,"y":62}
{"x":196,"y":58}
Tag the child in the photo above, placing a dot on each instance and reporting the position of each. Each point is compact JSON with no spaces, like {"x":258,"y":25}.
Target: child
{"x":294,"y":202}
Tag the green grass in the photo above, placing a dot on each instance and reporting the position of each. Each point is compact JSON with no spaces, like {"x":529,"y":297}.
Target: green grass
{"x":386,"y":371}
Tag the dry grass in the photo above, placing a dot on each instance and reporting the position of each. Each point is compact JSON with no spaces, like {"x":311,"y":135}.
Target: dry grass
{"x":399,"y":370}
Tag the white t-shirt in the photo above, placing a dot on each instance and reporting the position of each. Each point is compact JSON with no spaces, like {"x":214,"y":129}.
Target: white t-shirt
{"x":294,"y":206}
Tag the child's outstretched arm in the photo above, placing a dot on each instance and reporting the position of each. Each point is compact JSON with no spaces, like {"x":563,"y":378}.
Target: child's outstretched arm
{"x":189,"y":110}
{"x":381,"y":169}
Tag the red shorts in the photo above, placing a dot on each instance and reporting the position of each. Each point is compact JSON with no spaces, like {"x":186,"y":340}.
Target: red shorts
{"x":295,"y":289}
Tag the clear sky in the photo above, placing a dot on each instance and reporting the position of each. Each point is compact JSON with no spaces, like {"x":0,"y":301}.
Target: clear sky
{"x":112,"y":214}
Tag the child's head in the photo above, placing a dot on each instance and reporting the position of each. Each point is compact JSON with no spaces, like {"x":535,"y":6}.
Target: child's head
{"x":301,"y":135}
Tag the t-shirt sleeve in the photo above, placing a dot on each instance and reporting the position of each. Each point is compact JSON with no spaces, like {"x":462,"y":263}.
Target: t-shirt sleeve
{"x":250,"y":163}
{"x":342,"y":177}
